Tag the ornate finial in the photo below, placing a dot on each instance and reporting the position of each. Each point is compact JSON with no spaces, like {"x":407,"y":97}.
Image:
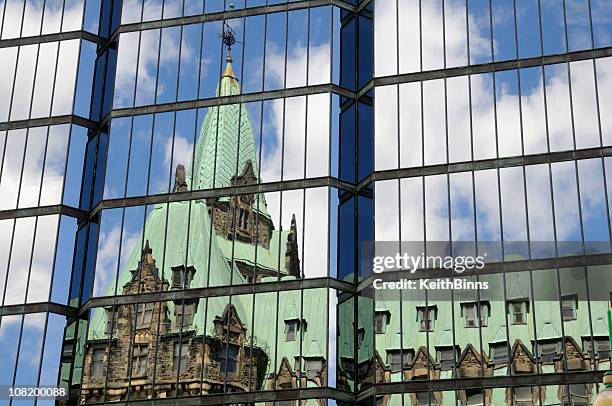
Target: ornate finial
{"x":229,"y":39}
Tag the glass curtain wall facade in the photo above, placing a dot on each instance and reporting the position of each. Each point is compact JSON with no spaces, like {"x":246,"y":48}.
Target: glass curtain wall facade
{"x":185,"y":186}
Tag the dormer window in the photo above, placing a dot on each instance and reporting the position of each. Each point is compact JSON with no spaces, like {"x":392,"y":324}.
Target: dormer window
{"x":471,"y":313}
{"x":569,"y":304}
{"x":184,"y":314}
{"x":601,"y":347}
{"x":446,"y":357}
{"x":517,"y":309}
{"x":426,"y":317}
{"x":313,"y":367}
{"x":182,"y":277}
{"x":549,"y":352}
{"x":381,"y":319}
{"x":397,"y":359}
{"x":291,"y":329}
{"x":500,"y":353}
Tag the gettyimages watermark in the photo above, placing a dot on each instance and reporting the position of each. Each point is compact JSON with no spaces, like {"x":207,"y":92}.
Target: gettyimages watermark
{"x":403,"y":261}
{"x":467,"y":269}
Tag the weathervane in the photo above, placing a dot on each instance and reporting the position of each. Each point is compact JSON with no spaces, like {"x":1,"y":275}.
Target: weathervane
{"x":229,"y":39}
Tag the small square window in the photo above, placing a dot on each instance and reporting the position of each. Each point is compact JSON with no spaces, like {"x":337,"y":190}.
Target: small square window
{"x":500,"y":353}
{"x":380,"y":322}
{"x":602,"y":347}
{"x":549,"y":352}
{"x":518,"y":312}
{"x":426,"y":317}
{"x":470,"y":313}
{"x":313,"y":368}
{"x":184,"y":314}
{"x":446,"y":358}
{"x":291,"y":328}
{"x":182,"y":277}
{"x":397,"y":358}
{"x":568,"y":307}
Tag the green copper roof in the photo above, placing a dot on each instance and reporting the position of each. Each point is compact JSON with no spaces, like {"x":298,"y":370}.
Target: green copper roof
{"x":226,"y":141}
{"x":268,"y":259}
{"x":186,"y":227}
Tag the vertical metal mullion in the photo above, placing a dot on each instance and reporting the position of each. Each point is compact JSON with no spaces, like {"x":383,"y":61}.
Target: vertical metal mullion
{"x":569,"y":84}
{"x":162,"y":305}
{"x":300,"y":323}
{"x":448,"y":180}
{"x":18,"y":352}
{"x":541,"y":34}
{"x":473,"y":178}
{"x":355,"y":202}
{"x":281,"y":194}
{"x":329,"y":291}
{"x":261,"y":117}
{"x":25,"y":301}
{"x":42,"y":351}
{"x":57,"y":233}
{"x":603,"y":168}
{"x":8,"y":264}
{"x":601,"y":143}
{"x":191,"y":186}
{"x":519,"y":90}
{"x":10,"y":109}
{"x":234,"y":194}
{"x":399,"y":189}
{"x":225,"y":341}
{"x":136,"y":307}
{"x":3,"y":17}
{"x":185,"y":286}
{"x":254,"y":281}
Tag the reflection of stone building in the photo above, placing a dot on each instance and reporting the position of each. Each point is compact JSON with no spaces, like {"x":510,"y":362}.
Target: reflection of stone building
{"x":468,"y":339}
{"x":216,"y":344}
{"x":200,"y":363}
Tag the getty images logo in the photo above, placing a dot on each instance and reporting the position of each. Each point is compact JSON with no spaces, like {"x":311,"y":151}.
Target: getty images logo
{"x":406,"y":262}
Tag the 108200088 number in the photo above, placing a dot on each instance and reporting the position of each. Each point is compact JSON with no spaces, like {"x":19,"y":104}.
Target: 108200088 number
{"x":33,"y":392}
